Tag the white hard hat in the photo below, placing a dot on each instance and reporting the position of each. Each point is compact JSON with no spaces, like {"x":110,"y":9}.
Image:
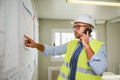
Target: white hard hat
{"x":85,"y":19}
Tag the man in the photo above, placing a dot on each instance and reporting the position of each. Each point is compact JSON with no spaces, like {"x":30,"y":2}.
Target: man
{"x":85,"y":58}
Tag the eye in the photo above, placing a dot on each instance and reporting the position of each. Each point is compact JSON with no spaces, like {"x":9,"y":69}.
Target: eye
{"x":77,"y":26}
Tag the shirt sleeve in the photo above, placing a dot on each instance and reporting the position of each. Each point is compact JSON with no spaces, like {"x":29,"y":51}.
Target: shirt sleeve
{"x":99,"y":61}
{"x":57,"y":50}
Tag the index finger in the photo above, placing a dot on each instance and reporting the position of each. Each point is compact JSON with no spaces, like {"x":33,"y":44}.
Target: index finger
{"x":87,"y":33}
{"x":27,"y":37}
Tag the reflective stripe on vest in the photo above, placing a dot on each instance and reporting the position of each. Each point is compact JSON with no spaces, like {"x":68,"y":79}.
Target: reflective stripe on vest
{"x":79,"y":69}
{"x":63,"y":75}
{"x":66,"y":64}
{"x":87,"y":71}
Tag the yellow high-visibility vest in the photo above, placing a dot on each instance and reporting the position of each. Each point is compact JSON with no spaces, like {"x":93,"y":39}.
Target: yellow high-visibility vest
{"x":83,"y":70}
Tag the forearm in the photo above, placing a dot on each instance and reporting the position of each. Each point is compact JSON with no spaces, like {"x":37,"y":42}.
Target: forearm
{"x":98,"y":62}
{"x":89,"y":52}
{"x":51,"y":50}
{"x":40,"y":47}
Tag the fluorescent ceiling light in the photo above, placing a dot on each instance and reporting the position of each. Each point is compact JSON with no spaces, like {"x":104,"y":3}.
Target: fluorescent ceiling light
{"x":98,"y":2}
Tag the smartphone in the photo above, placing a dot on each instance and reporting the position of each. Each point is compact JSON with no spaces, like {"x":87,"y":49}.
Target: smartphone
{"x":88,"y":30}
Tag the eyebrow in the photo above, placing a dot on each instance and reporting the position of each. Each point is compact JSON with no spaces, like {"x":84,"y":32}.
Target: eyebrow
{"x":80,"y":25}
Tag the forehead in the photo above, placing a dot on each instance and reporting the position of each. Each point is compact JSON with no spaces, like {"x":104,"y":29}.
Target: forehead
{"x":79,"y":23}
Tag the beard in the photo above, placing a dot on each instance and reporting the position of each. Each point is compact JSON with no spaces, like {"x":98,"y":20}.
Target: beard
{"x":77,"y":36}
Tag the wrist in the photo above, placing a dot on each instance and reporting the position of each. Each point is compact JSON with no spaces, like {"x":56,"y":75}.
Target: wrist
{"x":36,"y":45}
{"x":87,"y":47}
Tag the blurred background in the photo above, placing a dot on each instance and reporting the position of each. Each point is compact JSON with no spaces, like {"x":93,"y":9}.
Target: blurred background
{"x":48,"y":22}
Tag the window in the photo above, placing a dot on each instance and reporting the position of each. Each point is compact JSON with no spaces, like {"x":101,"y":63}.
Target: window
{"x":61,"y":36}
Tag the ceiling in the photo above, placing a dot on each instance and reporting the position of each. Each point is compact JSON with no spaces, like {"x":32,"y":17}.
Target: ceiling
{"x":60,"y":9}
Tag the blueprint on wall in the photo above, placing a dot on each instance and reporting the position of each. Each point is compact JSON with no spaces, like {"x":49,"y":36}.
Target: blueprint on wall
{"x":2,"y":39}
{"x":17,"y":62}
{"x":1,"y":55}
{"x":28,"y":56}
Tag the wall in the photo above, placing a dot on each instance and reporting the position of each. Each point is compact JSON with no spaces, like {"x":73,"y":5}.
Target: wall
{"x":8,"y":63}
{"x":113,"y":46}
{"x":101,"y":32}
{"x":45,"y":37}
{"x":16,"y":61}
{"x":109,"y":33}
{"x":2,"y":39}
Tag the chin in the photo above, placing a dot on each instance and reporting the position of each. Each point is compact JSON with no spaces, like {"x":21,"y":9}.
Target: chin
{"x":77,"y":37}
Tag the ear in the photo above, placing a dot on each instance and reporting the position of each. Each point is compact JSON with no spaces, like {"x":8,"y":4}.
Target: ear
{"x":89,"y":27}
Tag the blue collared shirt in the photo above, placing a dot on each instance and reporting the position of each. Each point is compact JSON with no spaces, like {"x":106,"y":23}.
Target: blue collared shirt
{"x":98,"y":61}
